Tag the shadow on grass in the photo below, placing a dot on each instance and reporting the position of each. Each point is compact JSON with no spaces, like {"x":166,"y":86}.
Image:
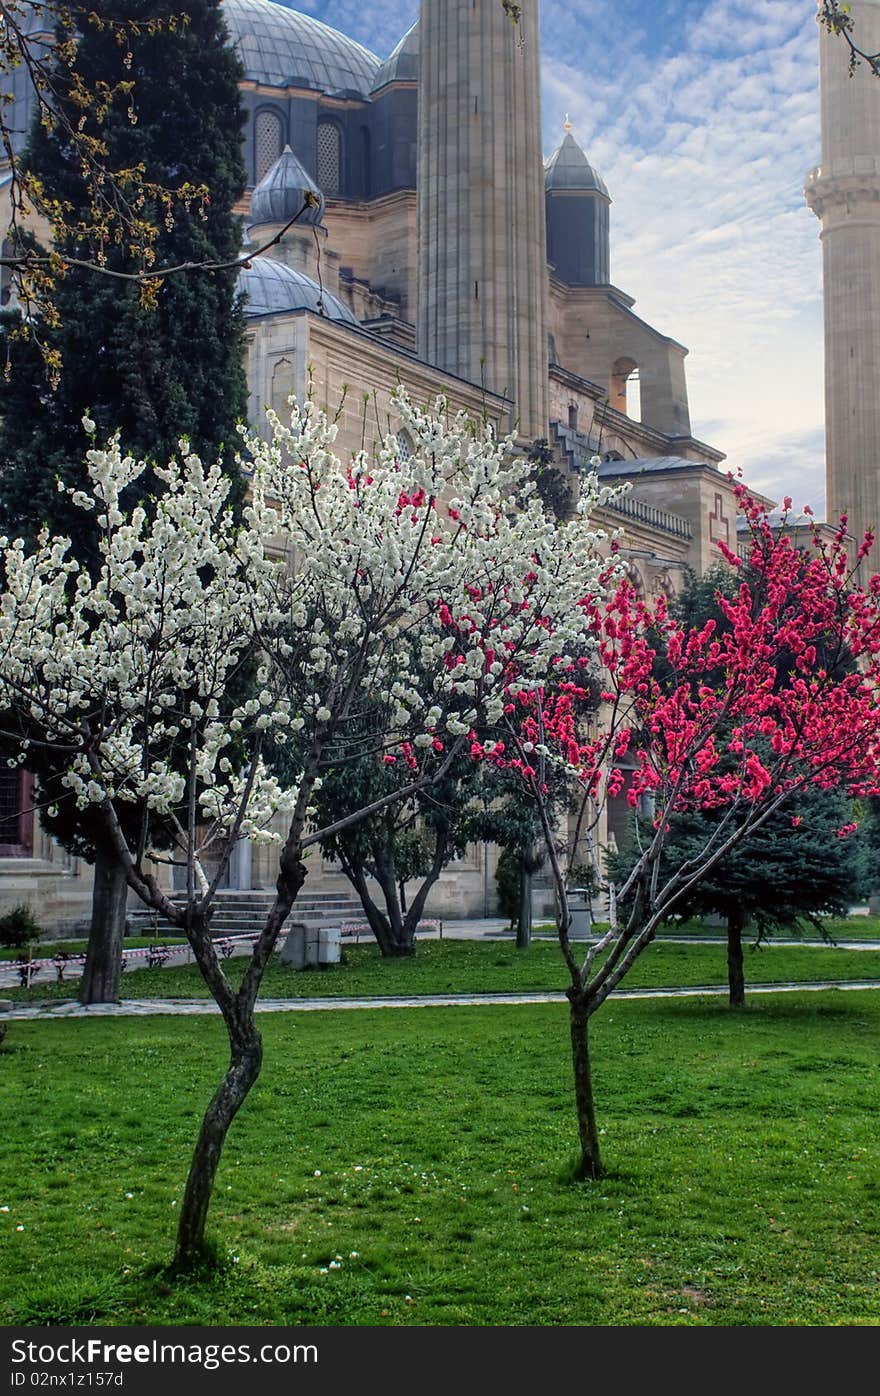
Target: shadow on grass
{"x":569,"y":1175}
{"x":784,"y":1008}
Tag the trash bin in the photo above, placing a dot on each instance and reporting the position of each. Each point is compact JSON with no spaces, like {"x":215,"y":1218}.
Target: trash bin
{"x":329,"y":941}
{"x":297,"y":947}
{"x":311,"y":947}
{"x":581,"y":916}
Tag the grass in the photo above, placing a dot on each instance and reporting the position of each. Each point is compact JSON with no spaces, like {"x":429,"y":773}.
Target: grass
{"x":853,"y":928}
{"x":422,"y":1155}
{"x":451,"y":966}
{"x":837,"y":928}
{"x":45,"y":949}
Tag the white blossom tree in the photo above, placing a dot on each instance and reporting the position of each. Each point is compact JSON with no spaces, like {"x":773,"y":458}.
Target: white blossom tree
{"x":386,"y":608}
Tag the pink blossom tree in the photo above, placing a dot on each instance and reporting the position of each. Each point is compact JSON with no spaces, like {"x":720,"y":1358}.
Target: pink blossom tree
{"x":786,"y":699}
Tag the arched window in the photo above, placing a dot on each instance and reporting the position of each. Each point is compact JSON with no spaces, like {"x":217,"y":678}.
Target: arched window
{"x":404,"y":447}
{"x":329,"y":159}
{"x":268,"y":142}
{"x":16,"y":813}
{"x":626,"y":392}
{"x":634,"y":396}
{"x":635,"y":579}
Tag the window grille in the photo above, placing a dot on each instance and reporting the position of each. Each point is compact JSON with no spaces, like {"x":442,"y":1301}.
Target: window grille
{"x":14,"y":824}
{"x":10,"y":806}
{"x":267,"y":142}
{"x":329,"y":158}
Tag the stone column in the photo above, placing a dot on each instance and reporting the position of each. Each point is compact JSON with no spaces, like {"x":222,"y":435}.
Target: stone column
{"x":844,"y":193}
{"x":481,"y":224}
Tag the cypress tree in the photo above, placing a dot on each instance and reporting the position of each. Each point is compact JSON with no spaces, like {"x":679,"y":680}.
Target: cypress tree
{"x":156,"y":374}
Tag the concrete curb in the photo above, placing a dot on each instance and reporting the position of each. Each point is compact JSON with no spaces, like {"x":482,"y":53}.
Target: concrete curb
{"x":178,"y":1008}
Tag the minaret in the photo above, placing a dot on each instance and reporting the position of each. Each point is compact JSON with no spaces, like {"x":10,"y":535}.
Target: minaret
{"x":844,"y":193}
{"x":578,"y":203}
{"x":482,"y":235}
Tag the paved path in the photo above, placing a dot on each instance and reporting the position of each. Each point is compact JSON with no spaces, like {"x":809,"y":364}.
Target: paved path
{"x":149,"y":1008}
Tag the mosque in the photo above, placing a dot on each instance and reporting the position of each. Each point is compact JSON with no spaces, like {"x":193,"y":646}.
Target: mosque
{"x":442,"y":252}
{"x":437,"y":248}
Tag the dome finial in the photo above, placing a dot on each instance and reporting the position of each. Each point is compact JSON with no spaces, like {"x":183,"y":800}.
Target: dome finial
{"x":567,"y":124}
{"x":569,"y":169}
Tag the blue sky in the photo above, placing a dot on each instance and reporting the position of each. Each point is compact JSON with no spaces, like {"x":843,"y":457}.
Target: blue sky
{"x":702,"y":117}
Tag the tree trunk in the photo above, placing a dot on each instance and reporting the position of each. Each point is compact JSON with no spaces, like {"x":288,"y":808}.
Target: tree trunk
{"x":735,"y":976}
{"x":246,"y":1057}
{"x":245,"y":1050}
{"x":397,"y":942}
{"x":103,"y":967}
{"x":394,"y":928}
{"x":524,"y":916}
{"x":590,"y":1165}
{"x":438,"y":863}
{"x":379,"y":923}
{"x":399,"y":950}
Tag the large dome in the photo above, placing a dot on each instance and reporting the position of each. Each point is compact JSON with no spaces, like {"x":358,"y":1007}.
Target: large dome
{"x":403,"y":63}
{"x":283,"y":48}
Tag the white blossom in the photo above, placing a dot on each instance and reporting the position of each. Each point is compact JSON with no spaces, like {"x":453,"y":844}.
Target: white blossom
{"x":420,"y":587}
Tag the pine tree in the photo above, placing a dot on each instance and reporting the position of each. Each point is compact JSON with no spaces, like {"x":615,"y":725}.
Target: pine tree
{"x":785,"y":877}
{"x":159,"y":374}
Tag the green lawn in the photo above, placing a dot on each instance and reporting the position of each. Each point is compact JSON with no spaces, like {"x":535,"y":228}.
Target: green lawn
{"x":836,"y":927}
{"x":462,"y":966}
{"x":852,"y":928}
{"x":45,"y":949}
{"x":407,"y":1167}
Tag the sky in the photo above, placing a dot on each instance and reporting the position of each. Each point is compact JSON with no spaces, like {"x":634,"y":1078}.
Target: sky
{"x":702,"y":118}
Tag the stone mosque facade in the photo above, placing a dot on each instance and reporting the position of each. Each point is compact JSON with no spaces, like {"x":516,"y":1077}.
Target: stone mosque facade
{"x":441,"y":251}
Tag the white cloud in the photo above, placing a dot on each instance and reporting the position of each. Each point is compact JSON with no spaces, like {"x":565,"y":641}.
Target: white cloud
{"x":378,"y":24}
{"x":704,"y":150}
{"x":702,"y":117}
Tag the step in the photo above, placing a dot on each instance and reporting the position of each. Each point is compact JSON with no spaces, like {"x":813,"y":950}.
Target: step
{"x":242,"y":913}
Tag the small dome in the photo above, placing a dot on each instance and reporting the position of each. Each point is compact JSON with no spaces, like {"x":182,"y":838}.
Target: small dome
{"x":271,"y":288}
{"x":283,"y":191}
{"x":568,"y":169}
{"x":403,"y":64}
{"x":282,"y":48}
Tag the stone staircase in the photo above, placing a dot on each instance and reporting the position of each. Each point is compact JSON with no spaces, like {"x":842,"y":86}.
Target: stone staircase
{"x":244,"y":913}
